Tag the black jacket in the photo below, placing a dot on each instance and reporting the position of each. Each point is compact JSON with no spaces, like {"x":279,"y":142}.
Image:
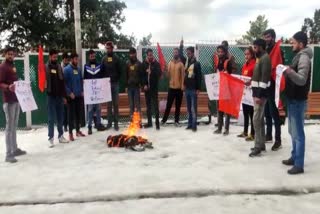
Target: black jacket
{"x":55,"y":84}
{"x":110,"y":67}
{"x":152,"y":80}
{"x":134,"y":74}
{"x":192,"y":79}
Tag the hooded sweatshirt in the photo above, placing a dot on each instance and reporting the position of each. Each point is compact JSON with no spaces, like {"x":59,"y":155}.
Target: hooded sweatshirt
{"x":298,"y":82}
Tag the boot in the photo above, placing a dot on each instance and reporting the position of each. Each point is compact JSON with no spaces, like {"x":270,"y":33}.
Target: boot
{"x":276,"y":146}
{"x":295,"y":170}
{"x":255,"y":152}
{"x":289,"y":162}
{"x":90,"y":131}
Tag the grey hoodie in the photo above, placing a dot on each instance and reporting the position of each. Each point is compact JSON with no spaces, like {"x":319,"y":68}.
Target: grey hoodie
{"x":302,"y":61}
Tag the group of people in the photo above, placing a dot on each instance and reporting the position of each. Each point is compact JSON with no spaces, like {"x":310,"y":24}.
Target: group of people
{"x":64,"y":86}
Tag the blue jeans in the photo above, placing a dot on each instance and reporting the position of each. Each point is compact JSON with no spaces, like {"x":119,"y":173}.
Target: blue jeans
{"x":191,"y":96}
{"x":55,"y":112}
{"x":94,"y":108}
{"x":296,"y":109}
{"x":134,"y":100}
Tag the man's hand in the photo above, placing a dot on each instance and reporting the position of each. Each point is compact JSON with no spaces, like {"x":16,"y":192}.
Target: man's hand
{"x":12,"y":88}
{"x":288,"y":70}
{"x":145,"y":88}
{"x":64,"y":101}
{"x":148,"y":71}
{"x":72,"y":96}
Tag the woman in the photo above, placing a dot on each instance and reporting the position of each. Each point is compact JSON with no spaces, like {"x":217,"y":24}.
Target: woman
{"x":247,"y":70}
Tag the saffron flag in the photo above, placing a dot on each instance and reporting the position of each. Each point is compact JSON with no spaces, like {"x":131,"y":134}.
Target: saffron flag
{"x":276,"y":59}
{"x":162,"y":61}
{"x":41,"y":70}
{"x":230,"y":94}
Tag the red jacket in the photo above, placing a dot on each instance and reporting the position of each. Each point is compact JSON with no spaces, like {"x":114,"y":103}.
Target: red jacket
{"x":248,"y":67}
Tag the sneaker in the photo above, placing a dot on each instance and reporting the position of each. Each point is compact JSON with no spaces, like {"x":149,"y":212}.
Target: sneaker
{"x":295,"y":170}
{"x":289,"y":162}
{"x":71,"y":138}
{"x":218,"y":131}
{"x":11,"y":159}
{"x":250,"y":138}
{"x":243,"y":135}
{"x":19,"y":152}
{"x":268,"y":139}
{"x":263,"y":149}
{"x":51,"y":143}
{"x":63,"y":140}
{"x":226,"y":132}
{"x":255,"y":152}
{"x":90,"y":131}
{"x":80,"y":134}
{"x":276,"y":146}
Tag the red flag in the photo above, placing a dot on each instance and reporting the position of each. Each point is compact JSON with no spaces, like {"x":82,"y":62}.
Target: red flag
{"x":276,"y":59}
{"x":41,"y":70}
{"x":215,"y":60}
{"x":230,"y":94}
{"x":162,"y":61}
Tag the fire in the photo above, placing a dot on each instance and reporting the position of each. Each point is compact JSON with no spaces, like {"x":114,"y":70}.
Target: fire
{"x":134,"y":126}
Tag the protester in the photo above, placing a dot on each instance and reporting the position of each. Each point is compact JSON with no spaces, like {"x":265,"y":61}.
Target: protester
{"x":11,"y":107}
{"x":92,"y":71}
{"x":176,"y":81}
{"x":151,"y":75}
{"x":74,"y":87}
{"x":260,"y":81}
{"x":134,"y":82}
{"x":65,"y":62}
{"x":110,"y":67}
{"x":224,"y":65}
{"x":298,"y":76}
{"x":247,"y":71}
{"x":271,"y":110}
{"x":192,"y":84}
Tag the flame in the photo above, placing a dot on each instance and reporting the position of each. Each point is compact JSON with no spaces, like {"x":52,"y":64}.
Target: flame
{"x":134,"y":126}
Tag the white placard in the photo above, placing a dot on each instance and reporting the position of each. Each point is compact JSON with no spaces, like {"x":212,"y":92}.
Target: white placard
{"x":97,"y":91}
{"x":279,"y":73}
{"x":212,"y":84}
{"x":247,"y":92}
{"x":25,"y":97}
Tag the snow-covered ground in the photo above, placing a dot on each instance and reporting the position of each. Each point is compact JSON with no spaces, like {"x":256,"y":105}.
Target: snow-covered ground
{"x":183,"y":164}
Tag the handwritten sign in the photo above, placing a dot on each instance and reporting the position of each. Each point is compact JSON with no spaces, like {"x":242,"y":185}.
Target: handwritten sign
{"x":247,"y":92}
{"x":279,"y":73}
{"x":97,"y":91}
{"x":212,"y":83}
{"x":25,"y":97}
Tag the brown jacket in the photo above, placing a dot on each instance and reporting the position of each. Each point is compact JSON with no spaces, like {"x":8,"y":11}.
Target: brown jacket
{"x":176,"y":74}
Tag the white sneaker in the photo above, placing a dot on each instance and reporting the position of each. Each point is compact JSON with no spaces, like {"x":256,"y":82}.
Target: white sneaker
{"x":63,"y":140}
{"x":51,"y":143}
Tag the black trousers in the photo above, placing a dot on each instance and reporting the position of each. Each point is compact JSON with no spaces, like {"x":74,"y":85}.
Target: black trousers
{"x":74,"y":113}
{"x":152,"y":106}
{"x":221,"y":115}
{"x":248,"y":114}
{"x":173,"y":95}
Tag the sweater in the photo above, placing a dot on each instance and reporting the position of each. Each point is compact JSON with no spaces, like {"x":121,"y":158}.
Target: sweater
{"x":110,"y":67}
{"x":92,"y":70}
{"x":8,"y":75}
{"x":73,"y":80}
{"x":134,"y":74}
{"x":176,"y":74}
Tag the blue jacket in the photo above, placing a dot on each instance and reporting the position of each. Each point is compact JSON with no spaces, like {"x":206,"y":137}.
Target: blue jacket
{"x":92,"y":71}
{"x":73,"y":79}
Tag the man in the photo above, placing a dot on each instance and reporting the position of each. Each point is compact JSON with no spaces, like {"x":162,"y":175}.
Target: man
{"x":175,"y":93}
{"x":74,"y":87}
{"x":11,"y":108}
{"x":271,"y":110}
{"x":92,"y":71}
{"x":111,"y":68}
{"x":260,"y":80}
{"x":224,"y":65}
{"x":230,"y":57}
{"x":151,"y":74}
{"x":65,"y":62}
{"x":56,"y":97}
{"x":297,"y":87}
{"x":192,"y":84}
{"x":134,"y":76}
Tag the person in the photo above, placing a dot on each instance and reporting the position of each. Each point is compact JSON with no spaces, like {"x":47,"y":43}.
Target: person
{"x":11,"y":108}
{"x":247,"y":71}
{"x":231,"y":58}
{"x":56,"y":97}
{"x":65,"y":62}
{"x":224,"y":65}
{"x":271,"y":110}
{"x":192,"y":84}
{"x":298,"y":76}
{"x":260,"y":80}
{"x":74,"y":88}
{"x":110,"y":66}
{"x":176,"y":81}
{"x":151,"y":73}
{"x":134,"y":82}
{"x":92,"y":71}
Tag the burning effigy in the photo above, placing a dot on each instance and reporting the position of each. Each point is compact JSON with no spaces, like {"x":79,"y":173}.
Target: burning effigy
{"x":129,"y":139}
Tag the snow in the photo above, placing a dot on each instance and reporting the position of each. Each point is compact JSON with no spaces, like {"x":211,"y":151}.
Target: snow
{"x":183,"y":164}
